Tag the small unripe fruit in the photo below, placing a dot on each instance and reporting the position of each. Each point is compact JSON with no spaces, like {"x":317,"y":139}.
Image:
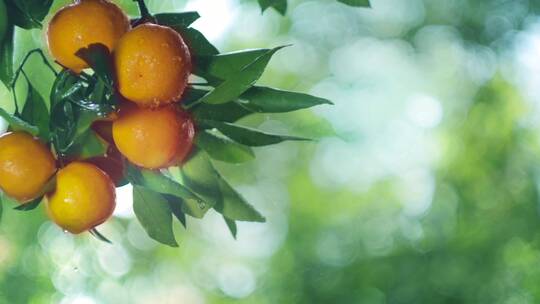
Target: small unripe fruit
{"x":153,"y":138}
{"x":26,"y":165}
{"x":153,"y":65}
{"x":81,"y":24}
{"x":83,"y":199}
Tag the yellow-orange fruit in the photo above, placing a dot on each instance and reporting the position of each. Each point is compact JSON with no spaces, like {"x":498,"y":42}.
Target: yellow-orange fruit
{"x":151,"y":138}
{"x":83,"y":23}
{"x":152,"y":65}
{"x":84,"y":198}
{"x":26,"y":165}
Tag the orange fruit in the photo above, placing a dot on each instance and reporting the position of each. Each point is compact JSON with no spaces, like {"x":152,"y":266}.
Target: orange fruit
{"x":153,"y":138}
{"x":83,"y":199}
{"x":83,"y":23}
{"x":153,"y":64}
{"x":26,"y":165}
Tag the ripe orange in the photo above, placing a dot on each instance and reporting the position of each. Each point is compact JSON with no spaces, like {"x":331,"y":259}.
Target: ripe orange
{"x":153,"y":138}
{"x":84,"y":198}
{"x":83,"y":23}
{"x":26,"y":165}
{"x":153,"y":64}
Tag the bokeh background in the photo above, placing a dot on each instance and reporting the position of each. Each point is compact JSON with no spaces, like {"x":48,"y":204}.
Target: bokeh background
{"x":422,"y":188}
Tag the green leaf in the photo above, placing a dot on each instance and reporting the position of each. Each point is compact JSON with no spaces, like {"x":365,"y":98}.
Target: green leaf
{"x":248,"y":136}
{"x":1,"y":208}
{"x":95,"y":233}
{"x":234,"y":86}
{"x":223,"y":149}
{"x":18,"y":124}
{"x":269,"y":100}
{"x":197,"y":42}
{"x":4,"y":22}
{"x":176,"y":203}
{"x":200,"y":176}
{"x":193,"y":205}
{"x":87,"y":146}
{"x":183,"y":19}
{"x":359,"y":3}
{"x":235,"y":207}
{"x":99,"y":58}
{"x":191,"y":96}
{"x":6,"y":57}
{"x":153,"y":212}
{"x":279,"y":5}
{"x":35,"y":112}
{"x":228,"y":112}
{"x":232,"y":226}
{"x":28,"y":14}
{"x":30,"y":205}
{"x":225,"y":66}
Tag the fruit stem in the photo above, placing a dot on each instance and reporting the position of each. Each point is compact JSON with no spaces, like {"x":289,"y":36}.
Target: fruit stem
{"x":20,"y":69}
{"x":145,"y":13}
{"x":25,"y":59}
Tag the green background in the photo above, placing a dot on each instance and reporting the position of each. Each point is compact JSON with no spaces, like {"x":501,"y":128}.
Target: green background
{"x":423,"y":187}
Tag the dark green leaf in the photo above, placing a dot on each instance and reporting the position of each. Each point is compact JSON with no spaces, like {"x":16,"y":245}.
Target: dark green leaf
{"x":176,"y":203}
{"x":278,"y":5}
{"x":235,"y":207}
{"x":225,"y":66}
{"x":6,"y":57}
{"x":87,"y":146}
{"x":153,"y":212}
{"x":35,"y":112}
{"x":359,"y":3}
{"x":223,"y":149}
{"x":96,"y":98}
{"x":248,"y":136}
{"x":183,"y":19}
{"x":191,"y":96}
{"x":4,"y":22}
{"x":95,"y":233}
{"x":1,"y":208}
{"x":197,"y":43}
{"x":200,"y":176}
{"x":98,"y":57}
{"x":193,"y":205}
{"x":237,"y":84}
{"x":228,"y":112}
{"x":18,"y":124}
{"x":28,"y":14}
{"x":232,"y":226}
{"x":30,"y":205}
{"x":269,"y":100}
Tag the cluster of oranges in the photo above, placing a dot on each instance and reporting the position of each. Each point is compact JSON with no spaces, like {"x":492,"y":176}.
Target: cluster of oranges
{"x":152,"y":65}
